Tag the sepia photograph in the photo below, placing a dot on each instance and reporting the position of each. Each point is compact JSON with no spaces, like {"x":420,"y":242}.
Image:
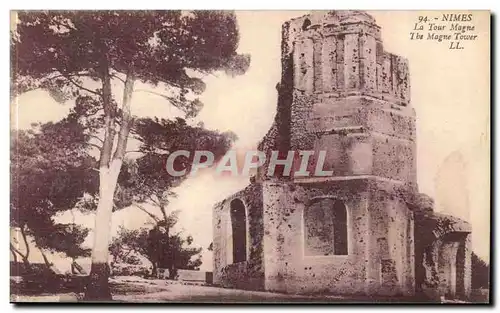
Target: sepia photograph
{"x":203,"y":156}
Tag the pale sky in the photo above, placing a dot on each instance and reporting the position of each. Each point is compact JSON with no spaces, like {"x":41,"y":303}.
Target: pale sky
{"x":449,"y":90}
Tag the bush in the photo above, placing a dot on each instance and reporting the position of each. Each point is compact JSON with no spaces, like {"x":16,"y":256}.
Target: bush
{"x":37,"y":283}
{"x":122,"y":269}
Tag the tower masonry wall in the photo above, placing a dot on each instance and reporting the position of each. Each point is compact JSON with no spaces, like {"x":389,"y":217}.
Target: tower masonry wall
{"x":248,"y":274}
{"x":379,"y":259}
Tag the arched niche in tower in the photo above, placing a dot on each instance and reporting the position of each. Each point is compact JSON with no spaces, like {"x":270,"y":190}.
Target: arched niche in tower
{"x":239,"y":230}
{"x":326,"y":228}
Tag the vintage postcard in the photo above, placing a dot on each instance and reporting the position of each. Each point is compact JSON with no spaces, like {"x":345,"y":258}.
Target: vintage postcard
{"x":250,"y":156}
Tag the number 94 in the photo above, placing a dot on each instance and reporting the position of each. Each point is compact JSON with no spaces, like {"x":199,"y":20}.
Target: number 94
{"x":422,"y":19}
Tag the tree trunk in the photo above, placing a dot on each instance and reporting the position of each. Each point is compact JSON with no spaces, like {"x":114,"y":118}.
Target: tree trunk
{"x":25,"y":239}
{"x":164,"y":213}
{"x":98,"y":285}
{"x":14,"y":254}
{"x":78,"y":269}
{"x":154,"y":270}
{"x":24,"y":257}
{"x":46,"y":260}
{"x":109,"y":169}
{"x":172,"y":271}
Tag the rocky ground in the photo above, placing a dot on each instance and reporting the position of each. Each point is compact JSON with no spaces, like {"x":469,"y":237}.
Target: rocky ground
{"x":135,"y":289}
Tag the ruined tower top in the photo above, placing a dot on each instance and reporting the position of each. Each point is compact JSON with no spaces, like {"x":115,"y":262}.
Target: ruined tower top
{"x":343,"y":94}
{"x":341,"y":52}
{"x":335,"y":21}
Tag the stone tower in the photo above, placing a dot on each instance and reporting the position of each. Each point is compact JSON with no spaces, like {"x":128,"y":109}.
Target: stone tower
{"x":351,"y":232}
{"x":350,"y":98}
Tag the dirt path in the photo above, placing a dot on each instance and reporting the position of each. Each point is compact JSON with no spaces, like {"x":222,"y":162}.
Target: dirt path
{"x":135,"y":289}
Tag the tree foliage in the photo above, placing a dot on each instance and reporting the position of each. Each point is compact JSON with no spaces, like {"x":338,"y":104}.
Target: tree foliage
{"x":50,"y":173}
{"x":57,"y":50}
{"x":160,"y":248}
{"x":144,"y":180}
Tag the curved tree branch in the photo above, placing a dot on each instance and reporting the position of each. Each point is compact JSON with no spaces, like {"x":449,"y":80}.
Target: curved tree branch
{"x":14,"y":250}
{"x":154,"y":217}
{"x":95,"y":137}
{"x":46,"y":260}
{"x":14,"y":254}
{"x":133,"y":151}
{"x":23,"y":233}
{"x":94,"y":145}
{"x":172,"y":100}
{"x":83,"y":88}
{"x":116,"y":76}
